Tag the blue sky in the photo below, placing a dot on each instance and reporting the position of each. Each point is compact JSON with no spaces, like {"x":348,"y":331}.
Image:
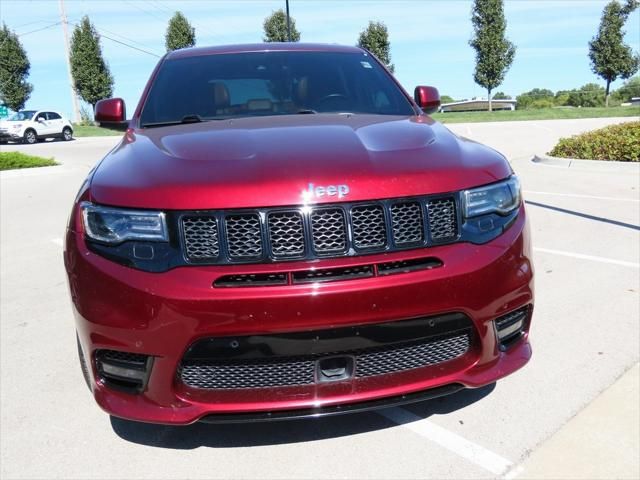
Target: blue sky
{"x":429,"y":38}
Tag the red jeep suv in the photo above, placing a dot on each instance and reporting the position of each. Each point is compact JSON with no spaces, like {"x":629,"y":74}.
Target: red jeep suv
{"x":283,"y":232}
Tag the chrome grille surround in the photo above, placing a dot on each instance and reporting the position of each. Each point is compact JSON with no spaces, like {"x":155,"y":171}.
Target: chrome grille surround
{"x":320,"y":231}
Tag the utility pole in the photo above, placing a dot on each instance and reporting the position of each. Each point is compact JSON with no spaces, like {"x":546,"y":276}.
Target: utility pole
{"x":74,"y":97}
{"x":288,"y":23}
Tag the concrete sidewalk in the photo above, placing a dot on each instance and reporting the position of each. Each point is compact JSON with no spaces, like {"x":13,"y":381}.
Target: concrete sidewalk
{"x":602,"y":441}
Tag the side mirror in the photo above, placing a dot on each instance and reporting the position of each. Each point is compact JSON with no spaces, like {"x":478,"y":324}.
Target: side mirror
{"x":111,"y":113}
{"x":427,"y":98}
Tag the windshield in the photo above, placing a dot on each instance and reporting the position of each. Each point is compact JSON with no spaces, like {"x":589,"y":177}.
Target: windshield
{"x":271,"y":83}
{"x":23,"y":115}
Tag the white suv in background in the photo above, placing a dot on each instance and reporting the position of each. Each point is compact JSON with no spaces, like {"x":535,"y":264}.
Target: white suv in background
{"x":30,"y":126}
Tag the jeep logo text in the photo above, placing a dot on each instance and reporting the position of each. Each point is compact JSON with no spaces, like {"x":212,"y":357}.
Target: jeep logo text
{"x":330,"y":190}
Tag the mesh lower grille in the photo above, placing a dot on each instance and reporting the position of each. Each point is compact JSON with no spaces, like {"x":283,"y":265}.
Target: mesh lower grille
{"x":411,"y":356}
{"x":248,"y":375}
{"x":290,"y":371}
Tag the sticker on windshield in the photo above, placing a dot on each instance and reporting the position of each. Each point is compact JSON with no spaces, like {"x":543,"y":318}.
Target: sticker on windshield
{"x":366,"y":64}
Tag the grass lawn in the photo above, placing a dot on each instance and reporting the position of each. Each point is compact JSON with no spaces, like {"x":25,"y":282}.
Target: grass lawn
{"x":92,"y":131}
{"x":458,"y":117}
{"x":541,"y":114}
{"x":13,"y":160}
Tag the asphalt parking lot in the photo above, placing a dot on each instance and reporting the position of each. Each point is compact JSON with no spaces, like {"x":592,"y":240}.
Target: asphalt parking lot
{"x":585,"y":336}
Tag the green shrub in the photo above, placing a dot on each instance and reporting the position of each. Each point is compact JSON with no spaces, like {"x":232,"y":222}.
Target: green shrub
{"x":13,"y":160}
{"x":616,"y":142}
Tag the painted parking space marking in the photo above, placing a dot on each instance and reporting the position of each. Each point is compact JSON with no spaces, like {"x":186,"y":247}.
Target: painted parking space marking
{"x":577,"y":195}
{"x":476,"y":454}
{"x":593,"y":258}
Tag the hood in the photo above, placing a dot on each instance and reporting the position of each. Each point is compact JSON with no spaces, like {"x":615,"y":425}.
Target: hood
{"x":272,"y":161}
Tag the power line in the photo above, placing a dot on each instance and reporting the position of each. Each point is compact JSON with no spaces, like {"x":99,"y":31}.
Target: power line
{"x":39,"y":29}
{"x":102,"y":35}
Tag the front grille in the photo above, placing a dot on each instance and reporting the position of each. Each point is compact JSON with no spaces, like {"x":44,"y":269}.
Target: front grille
{"x":369,"y":229}
{"x":442,"y":219}
{"x":244,"y":236}
{"x":322,"y":231}
{"x":286,"y":234}
{"x":290,"y":371}
{"x":407,"y":223}
{"x":202,"y":233}
{"x":329,"y":230}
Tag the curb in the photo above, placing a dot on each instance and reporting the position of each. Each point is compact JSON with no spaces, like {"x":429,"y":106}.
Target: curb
{"x":582,"y":164}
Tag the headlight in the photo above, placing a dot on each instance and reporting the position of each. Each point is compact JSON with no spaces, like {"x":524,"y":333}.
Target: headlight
{"x":115,"y":225}
{"x":501,"y":198}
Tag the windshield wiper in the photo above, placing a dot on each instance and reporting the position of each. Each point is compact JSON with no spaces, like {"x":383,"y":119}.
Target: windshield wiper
{"x":191,"y":118}
{"x":306,"y":111}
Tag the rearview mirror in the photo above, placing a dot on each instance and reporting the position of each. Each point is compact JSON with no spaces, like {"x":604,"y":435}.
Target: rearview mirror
{"x":427,"y":98}
{"x":111,"y":113}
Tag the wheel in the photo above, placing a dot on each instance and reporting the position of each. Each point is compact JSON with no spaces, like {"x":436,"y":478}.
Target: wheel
{"x":30,"y":137}
{"x":67,"y":134}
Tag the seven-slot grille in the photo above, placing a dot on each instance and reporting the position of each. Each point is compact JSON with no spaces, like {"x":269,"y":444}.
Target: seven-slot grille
{"x":319,"y":232}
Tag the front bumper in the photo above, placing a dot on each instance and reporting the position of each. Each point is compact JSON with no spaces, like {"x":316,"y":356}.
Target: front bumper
{"x":7,"y":135}
{"x":161,"y":315}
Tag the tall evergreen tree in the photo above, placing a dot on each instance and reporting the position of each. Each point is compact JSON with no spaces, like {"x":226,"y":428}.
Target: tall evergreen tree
{"x":180,"y":33}
{"x":375,"y":38}
{"x":494,"y":53}
{"x":92,"y":79}
{"x":610,"y":57}
{"x":275,"y":28}
{"x":14,"y":70}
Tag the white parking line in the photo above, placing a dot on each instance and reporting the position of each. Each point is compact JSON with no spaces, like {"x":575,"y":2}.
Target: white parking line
{"x":480,"y":456}
{"x":587,"y":257}
{"x":576,"y":195}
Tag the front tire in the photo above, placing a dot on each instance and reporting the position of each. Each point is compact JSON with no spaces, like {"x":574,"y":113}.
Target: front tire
{"x":67,"y":134}
{"x":30,"y":137}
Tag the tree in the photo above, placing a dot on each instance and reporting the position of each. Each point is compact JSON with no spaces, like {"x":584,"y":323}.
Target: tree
{"x":501,"y":96}
{"x":446,"y":99}
{"x":180,"y":33}
{"x":92,"y":79}
{"x":275,"y":28}
{"x":610,"y":56}
{"x":629,"y":90}
{"x":14,"y":70}
{"x":539,"y":96}
{"x":589,"y":95}
{"x":494,"y":53}
{"x":375,"y":38}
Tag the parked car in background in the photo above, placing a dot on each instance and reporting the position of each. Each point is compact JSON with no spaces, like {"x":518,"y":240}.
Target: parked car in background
{"x":31,"y":126}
